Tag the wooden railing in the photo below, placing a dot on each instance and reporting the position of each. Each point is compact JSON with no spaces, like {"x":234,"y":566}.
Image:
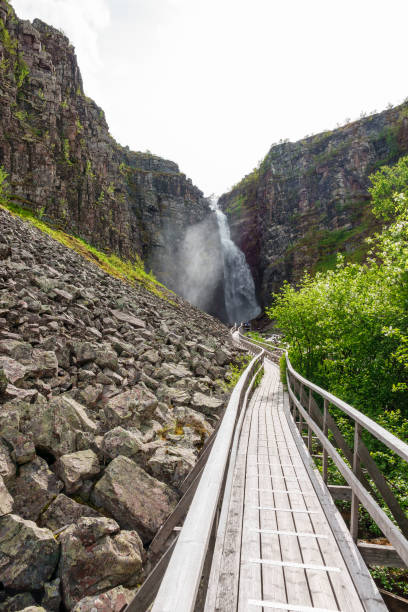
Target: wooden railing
{"x":189,"y":566}
{"x":310,"y":408}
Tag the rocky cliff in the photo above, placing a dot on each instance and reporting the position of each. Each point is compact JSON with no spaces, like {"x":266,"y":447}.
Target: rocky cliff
{"x":63,"y":163}
{"x":106,"y":398}
{"x":309,"y":199}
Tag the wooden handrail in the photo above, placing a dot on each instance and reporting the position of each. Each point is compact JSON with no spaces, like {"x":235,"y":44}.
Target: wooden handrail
{"x":393,"y":443}
{"x":179,"y":587}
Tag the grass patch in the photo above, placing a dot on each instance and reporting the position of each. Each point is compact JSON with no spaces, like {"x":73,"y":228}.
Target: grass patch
{"x":128,"y":271}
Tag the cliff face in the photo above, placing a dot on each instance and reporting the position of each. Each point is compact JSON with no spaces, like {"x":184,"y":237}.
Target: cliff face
{"x":309,"y":199}
{"x":63,"y":163}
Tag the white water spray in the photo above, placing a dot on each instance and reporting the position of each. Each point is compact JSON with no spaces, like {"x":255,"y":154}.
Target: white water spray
{"x":240,"y":300}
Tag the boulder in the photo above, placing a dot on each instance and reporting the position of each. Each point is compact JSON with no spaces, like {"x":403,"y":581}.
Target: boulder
{"x":44,"y":364}
{"x":14,"y":371}
{"x":125,"y":406}
{"x":222,"y":357}
{"x":65,"y":511}
{"x":95,"y":556}
{"x":55,"y":425}
{"x":83,"y":351}
{"x":187,"y":417}
{"x":74,"y":468}
{"x":172,"y":370}
{"x":6,"y":501}
{"x":125,"y":317}
{"x":3,"y":382}
{"x":119,"y":441}
{"x":7,"y":465}
{"x":51,"y":600}
{"x":23,"y":449}
{"x":20,"y":351}
{"x":177,"y":397}
{"x":172,"y":464}
{"x":34,"y":488}
{"x":135,"y":499}
{"x":113,"y":600}
{"x":28,"y":554}
{"x":18,"y":602}
{"x":206,"y":404}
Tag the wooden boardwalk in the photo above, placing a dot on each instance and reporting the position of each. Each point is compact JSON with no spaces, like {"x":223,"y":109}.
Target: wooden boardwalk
{"x":279,"y":551}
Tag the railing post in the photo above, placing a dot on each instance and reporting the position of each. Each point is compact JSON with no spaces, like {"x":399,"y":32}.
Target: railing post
{"x":325,"y":432}
{"x":309,"y":429}
{"x":300,"y":415}
{"x":357,"y":471}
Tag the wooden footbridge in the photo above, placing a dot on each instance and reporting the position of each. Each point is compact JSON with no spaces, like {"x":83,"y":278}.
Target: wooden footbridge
{"x":257,"y":527}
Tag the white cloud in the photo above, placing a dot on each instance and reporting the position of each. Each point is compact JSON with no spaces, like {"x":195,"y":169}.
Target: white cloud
{"x":212,"y":83}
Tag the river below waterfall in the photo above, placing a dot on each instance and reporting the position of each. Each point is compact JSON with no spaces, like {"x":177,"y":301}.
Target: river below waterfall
{"x":240,"y":300}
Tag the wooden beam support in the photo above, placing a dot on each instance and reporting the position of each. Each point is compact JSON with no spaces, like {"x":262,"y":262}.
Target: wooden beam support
{"x":380,"y":554}
{"x":340,"y":492}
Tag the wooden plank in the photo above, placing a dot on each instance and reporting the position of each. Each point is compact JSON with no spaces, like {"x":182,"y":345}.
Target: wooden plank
{"x":250,"y":585}
{"x":273,"y":579}
{"x":222,"y":589}
{"x":379,"y":554}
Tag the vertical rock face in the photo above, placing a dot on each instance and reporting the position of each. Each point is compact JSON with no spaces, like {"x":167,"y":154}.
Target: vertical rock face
{"x":63,"y":163}
{"x":309,"y":199}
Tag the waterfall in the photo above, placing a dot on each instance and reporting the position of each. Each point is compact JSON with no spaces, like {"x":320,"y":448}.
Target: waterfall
{"x":240,"y":301}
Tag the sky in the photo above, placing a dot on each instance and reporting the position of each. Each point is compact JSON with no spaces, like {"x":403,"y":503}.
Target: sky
{"x":212,"y":84}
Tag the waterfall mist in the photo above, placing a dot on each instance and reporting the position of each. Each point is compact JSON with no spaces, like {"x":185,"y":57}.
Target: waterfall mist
{"x":207,"y":268}
{"x":239,"y":288}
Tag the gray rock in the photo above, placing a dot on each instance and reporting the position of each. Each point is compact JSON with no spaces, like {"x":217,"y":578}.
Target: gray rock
{"x":13,"y":370}
{"x":20,"y":351}
{"x":55,"y":425}
{"x":65,"y":511}
{"x":119,"y":441}
{"x":206,"y":404}
{"x":113,"y":600}
{"x":34,"y":488}
{"x":7,"y":465}
{"x":95,"y":556}
{"x":51,"y":600}
{"x":23,"y":449}
{"x":6,"y":501}
{"x":135,"y":499}
{"x":125,"y":317}
{"x":222,"y":357}
{"x":21,"y":601}
{"x":172,"y":464}
{"x":172,"y":370}
{"x":74,"y":468}
{"x":28,"y":554}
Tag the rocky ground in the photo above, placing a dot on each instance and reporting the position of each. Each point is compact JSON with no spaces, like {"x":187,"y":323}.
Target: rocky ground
{"x":107,"y":393}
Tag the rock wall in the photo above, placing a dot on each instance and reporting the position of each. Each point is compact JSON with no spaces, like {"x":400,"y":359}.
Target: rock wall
{"x":64,"y":164}
{"x":309,"y":199}
{"x":107,"y":394}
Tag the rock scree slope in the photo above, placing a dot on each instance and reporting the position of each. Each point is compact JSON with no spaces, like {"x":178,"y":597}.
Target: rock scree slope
{"x":107,"y":393}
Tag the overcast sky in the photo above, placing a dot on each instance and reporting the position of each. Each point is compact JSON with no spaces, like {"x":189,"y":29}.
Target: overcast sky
{"x":211,"y":84}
